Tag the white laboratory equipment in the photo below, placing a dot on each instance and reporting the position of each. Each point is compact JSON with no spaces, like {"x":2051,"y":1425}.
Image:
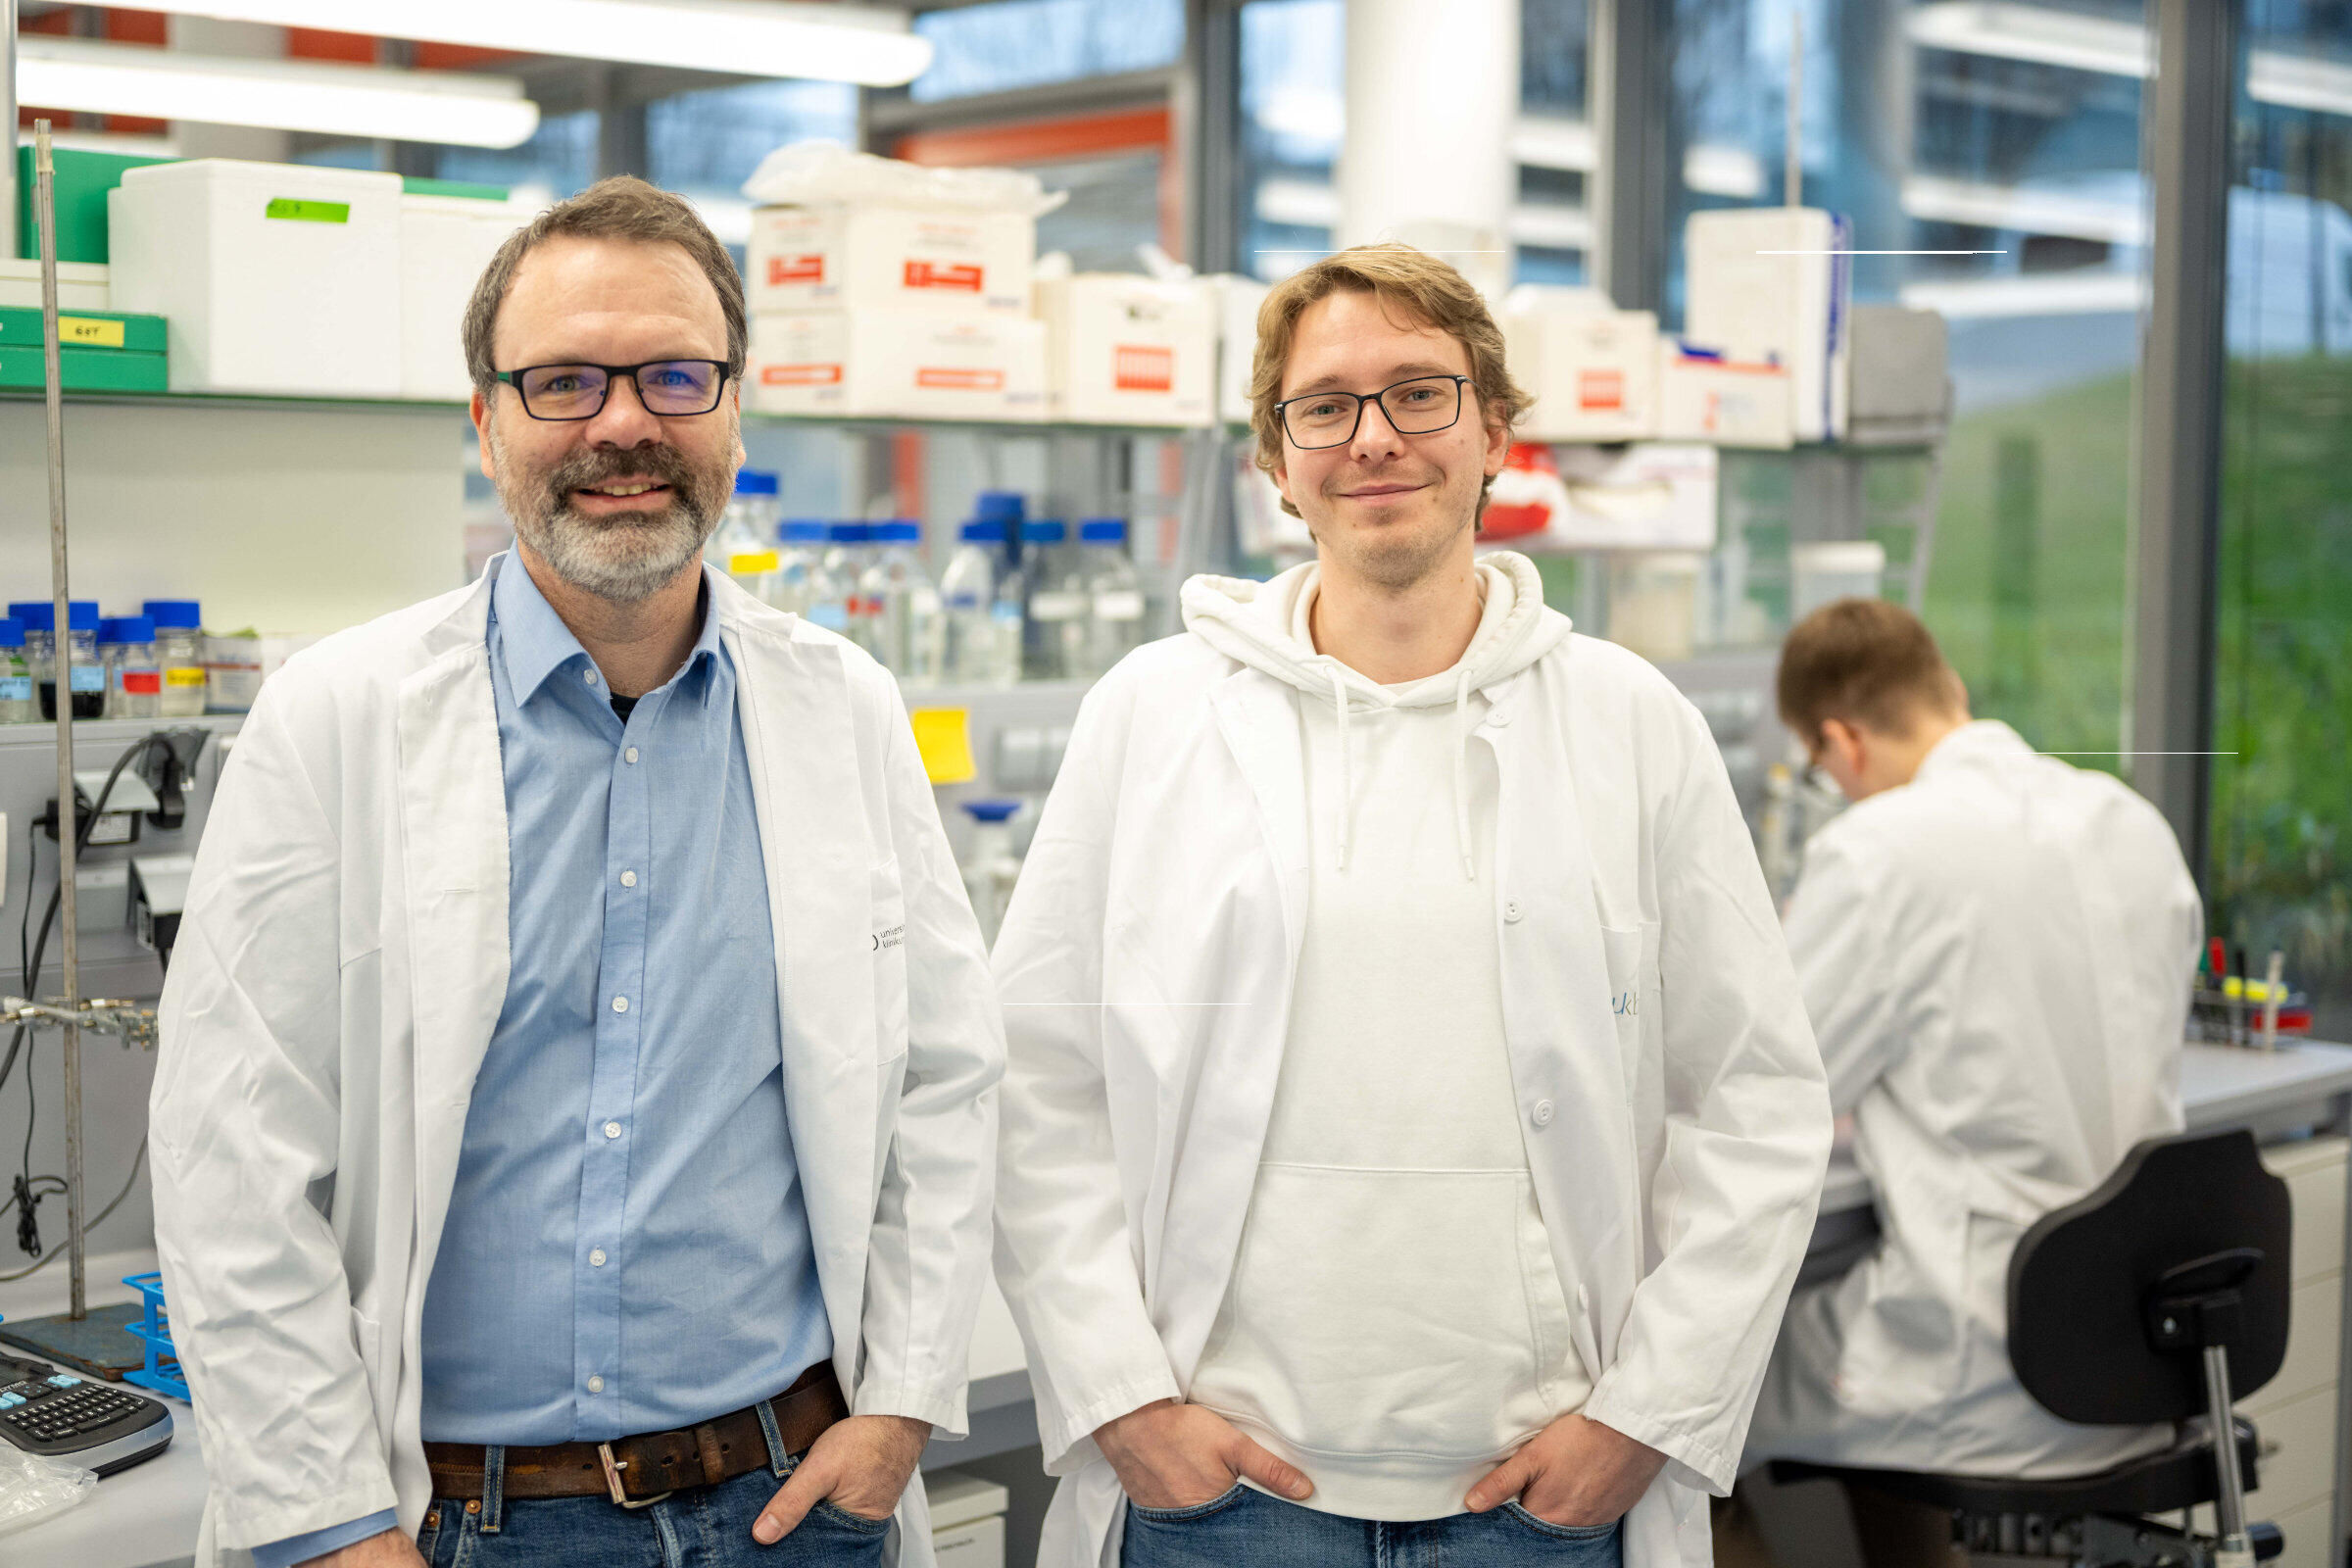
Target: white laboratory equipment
{"x":1053,"y":632}
{"x":800,"y":550}
{"x":16,"y":674}
{"x":978,"y":652}
{"x":179,"y":654}
{"x":1115,"y":594}
{"x":991,"y":867}
{"x":134,"y":684}
{"x":902,"y":603}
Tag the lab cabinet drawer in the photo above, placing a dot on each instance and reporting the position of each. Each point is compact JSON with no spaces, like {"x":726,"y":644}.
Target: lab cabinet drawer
{"x":2314,"y":1173}
{"x":2298,"y":1440}
{"x":2313,"y":1331}
{"x":2306,"y":1531}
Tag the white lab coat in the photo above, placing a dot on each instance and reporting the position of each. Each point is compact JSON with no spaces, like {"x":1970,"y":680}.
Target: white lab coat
{"x":1675,"y":1128}
{"x":341,"y":965}
{"x":1997,"y":959}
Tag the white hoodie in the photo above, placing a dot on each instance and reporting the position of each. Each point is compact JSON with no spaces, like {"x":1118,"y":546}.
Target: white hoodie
{"x":1396,"y":1323}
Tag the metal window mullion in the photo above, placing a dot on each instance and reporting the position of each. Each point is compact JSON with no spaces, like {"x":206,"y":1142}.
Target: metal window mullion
{"x":1628,"y":65}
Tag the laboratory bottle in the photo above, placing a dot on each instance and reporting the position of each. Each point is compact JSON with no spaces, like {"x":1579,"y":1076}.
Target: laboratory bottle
{"x":991,"y":869}
{"x":87,"y":683}
{"x":846,"y":551}
{"x":1115,"y":594}
{"x":16,"y":674}
{"x":134,"y":684}
{"x":748,"y":523}
{"x":902,"y":603}
{"x":967,"y":603}
{"x":800,"y":550}
{"x":755,"y":572}
{"x":179,"y":654}
{"x":1054,"y":619}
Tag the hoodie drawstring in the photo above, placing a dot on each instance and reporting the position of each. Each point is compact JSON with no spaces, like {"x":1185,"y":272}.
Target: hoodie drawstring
{"x":1338,"y":699}
{"x":1461,"y":778}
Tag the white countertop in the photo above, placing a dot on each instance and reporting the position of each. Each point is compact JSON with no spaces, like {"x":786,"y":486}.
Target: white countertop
{"x":147,"y":1515}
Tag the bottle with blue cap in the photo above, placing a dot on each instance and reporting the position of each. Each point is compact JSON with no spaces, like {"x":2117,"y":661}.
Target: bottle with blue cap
{"x":991,"y":867}
{"x":800,"y":559}
{"x":86,"y":682}
{"x":1054,"y":619}
{"x":981,"y":648}
{"x":1115,"y":594}
{"x":16,"y":674}
{"x":749,"y":525}
{"x":902,"y":603}
{"x":135,"y":685}
{"x":179,"y":654}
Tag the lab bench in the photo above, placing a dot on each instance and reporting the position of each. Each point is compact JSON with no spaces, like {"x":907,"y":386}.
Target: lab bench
{"x":2298,"y":1100}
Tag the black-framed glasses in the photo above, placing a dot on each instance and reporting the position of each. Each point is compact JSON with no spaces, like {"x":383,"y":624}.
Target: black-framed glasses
{"x":669,"y":388}
{"x":1422,"y":405}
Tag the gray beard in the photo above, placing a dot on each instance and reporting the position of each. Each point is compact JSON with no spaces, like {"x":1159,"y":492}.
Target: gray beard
{"x":622,"y":561}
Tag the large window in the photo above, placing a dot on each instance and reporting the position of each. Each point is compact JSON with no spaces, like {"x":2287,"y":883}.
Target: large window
{"x":706,"y":144}
{"x":2280,"y":870}
{"x":559,"y":160}
{"x":1028,"y":43}
{"x":2010,"y":134}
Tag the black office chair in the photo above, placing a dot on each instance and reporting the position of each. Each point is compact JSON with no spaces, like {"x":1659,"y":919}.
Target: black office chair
{"x":2160,"y":1297}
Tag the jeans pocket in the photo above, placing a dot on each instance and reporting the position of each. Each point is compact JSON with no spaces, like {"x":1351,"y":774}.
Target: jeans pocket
{"x":1199,"y":1510}
{"x":1593,"y":1533}
{"x":851,"y":1521}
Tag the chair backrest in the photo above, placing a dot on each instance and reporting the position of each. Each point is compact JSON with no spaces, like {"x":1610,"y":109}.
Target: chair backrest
{"x":2081,"y":1280}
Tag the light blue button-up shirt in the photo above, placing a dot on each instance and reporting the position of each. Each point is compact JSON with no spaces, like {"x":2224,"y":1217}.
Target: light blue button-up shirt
{"x":627,"y":1247}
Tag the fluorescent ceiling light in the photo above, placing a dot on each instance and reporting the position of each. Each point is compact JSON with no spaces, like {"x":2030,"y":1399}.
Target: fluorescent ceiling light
{"x":868,"y":45}
{"x":430,"y":106}
{"x":2009,"y":30}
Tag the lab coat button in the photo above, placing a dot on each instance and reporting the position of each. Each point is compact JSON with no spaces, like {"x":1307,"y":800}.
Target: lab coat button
{"x":621,"y":1003}
{"x":1499,"y":719}
{"x":1510,"y":911}
{"x":1542,"y":1116}
{"x":596,"y":1385}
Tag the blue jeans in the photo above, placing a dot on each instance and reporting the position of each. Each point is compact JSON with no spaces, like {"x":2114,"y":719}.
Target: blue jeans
{"x":701,"y":1527}
{"x":1247,"y":1529}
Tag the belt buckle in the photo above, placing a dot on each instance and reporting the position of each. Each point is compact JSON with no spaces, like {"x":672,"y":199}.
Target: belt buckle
{"x":612,"y":1470}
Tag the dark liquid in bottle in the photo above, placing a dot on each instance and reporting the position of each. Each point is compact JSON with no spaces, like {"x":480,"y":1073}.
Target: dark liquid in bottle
{"x":86,"y":705}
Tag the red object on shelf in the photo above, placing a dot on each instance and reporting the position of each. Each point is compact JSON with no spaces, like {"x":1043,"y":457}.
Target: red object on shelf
{"x":1529,"y":495}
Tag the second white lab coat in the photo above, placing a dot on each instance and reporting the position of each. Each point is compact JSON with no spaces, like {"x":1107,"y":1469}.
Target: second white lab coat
{"x":1997,"y":959}
{"x":343,"y":962}
{"x":1676,"y":1125}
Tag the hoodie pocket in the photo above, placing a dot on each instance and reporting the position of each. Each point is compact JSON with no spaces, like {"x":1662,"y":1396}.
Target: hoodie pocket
{"x":1392,"y":1312}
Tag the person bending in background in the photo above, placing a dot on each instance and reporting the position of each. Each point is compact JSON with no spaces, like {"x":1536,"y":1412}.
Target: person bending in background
{"x":1996,"y":948}
{"x":574,"y":1114}
{"x":1411,"y":1126}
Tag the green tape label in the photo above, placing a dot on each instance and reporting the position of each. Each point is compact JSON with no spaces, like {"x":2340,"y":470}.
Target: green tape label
{"x":298,"y":210}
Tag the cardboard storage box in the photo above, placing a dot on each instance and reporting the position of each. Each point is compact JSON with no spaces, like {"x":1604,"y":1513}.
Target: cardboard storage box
{"x":1775,"y":284}
{"x":98,"y":351}
{"x":445,"y":243}
{"x":275,"y":277}
{"x":968,"y":1519}
{"x":896,"y":364}
{"x":1593,"y":373}
{"x":835,"y":256}
{"x":1128,"y":350}
{"x":1706,"y":396}
{"x":1900,"y":377}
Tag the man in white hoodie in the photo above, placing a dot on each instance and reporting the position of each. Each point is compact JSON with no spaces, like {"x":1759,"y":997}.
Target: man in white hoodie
{"x":1411,"y":1128}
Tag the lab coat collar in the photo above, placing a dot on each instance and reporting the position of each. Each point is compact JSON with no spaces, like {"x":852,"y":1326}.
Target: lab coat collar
{"x":1983,"y":740}
{"x":535,"y":642}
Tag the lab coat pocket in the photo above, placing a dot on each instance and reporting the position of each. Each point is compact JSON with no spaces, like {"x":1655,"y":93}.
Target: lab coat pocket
{"x":886,"y":901}
{"x":1632,"y":962}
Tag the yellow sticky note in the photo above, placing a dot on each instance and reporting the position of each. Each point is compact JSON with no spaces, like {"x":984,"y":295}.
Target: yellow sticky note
{"x":945,"y":738}
{"x":89,"y":331}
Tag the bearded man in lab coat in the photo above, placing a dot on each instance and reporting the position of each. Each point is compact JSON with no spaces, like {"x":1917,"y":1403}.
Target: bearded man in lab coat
{"x":573,"y":1123}
{"x":1996,"y":949}
{"x":1410,"y":1129}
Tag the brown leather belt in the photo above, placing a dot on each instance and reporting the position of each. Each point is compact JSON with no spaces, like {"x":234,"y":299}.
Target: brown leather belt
{"x":636,"y":1471}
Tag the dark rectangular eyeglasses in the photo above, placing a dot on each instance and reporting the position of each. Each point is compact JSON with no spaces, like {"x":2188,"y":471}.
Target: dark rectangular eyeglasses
{"x":1422,"y":405}
{"x":669,"y":388}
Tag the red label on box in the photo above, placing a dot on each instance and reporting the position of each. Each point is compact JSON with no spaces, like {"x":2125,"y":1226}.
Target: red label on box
{"x":800,"y":374}
{"x":963,"y":276}
{"x":960,"y":380}
{"x":796,"y":269}
{"x":1136,"y":368}
{"x":1601,"y":389}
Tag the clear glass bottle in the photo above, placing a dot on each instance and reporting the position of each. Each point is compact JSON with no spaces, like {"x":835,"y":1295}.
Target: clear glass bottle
{"x":134,"y":683}
{"x":86,"y":682}
{"x":968,"y":602}
{"x":991,"y":869}
{"x":16,"y":674}
{"x":179,"y":654}
{"x":1115,"y":594}
{"x":903,"y":604}
{"x":749,"y":525}
{"x":797,"y":565}
{"x":1054,"y":618}
{"x":845,"y":563}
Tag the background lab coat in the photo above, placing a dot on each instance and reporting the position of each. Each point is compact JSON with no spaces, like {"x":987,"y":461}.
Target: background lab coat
{"x":1676,"y":1145}
{"x":1997,"y":959}
{"x":341,"y":965}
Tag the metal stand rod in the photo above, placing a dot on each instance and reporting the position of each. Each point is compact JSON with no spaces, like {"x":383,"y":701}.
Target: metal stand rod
{"x":2230,"y":1507}
{"x":44,"y":207}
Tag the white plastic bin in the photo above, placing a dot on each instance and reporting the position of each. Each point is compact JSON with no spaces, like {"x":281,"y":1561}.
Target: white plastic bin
{"x":968,"y":1519}
{"x":445,"y":243}
{"x":275,"y":277}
